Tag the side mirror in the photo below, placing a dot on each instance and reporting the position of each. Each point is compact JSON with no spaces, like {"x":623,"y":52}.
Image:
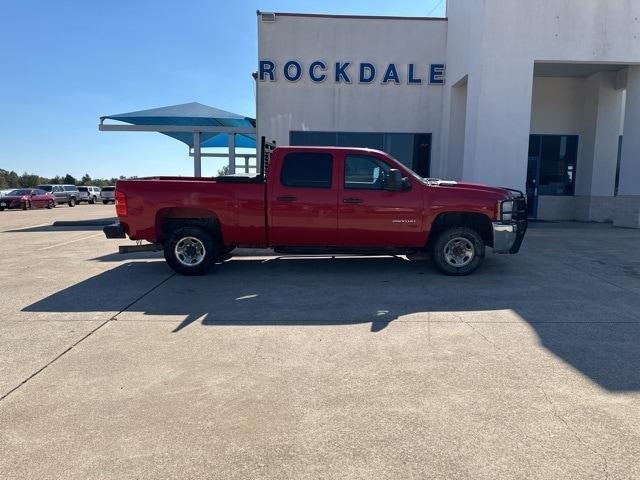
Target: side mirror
{"x":394,"y":180}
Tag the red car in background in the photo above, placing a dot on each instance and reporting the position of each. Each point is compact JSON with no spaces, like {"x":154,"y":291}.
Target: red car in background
{"x":26,"y":198}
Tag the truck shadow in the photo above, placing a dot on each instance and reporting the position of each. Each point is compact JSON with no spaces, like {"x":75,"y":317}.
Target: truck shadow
{"x":67,"y":226}
{"x":575,"y":316}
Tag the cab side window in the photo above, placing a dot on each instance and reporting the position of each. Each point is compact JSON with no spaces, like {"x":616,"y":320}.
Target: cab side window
{"x":364,"y":172}
{"x":307,"y":170}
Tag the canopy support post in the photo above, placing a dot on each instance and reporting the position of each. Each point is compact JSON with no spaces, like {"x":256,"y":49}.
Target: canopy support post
{"x":197,"y":160}
{"x":232,"y":153}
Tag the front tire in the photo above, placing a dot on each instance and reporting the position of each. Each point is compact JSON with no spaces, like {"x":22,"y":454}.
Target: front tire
{"x":191,"y":251}
{"x":51,"y":204}
{"x":104,"y":202}
{"x":72,"y":202}
{"x":458,"y":251}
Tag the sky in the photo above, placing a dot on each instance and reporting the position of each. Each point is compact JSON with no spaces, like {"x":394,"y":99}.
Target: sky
{"x":65,"y":63}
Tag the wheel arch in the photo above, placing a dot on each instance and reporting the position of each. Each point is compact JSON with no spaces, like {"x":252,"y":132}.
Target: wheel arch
{"x":480,"y":222}
{"x":171,"y":218}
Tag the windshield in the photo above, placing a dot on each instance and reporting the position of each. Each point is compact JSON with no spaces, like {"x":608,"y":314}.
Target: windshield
{"x":46,"y":188}
{"x":20,"y":192}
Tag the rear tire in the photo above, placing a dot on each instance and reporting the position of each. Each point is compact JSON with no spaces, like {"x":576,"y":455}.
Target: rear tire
{"x":458,"y":251}
{"x":191,"y":251}
{"x":93,"y":200}
{"x":104,"y":202}
{"x":72,"y":202}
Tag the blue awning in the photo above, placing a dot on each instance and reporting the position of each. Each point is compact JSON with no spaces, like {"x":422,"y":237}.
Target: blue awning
{"x":222,"y":140}
{"x":193,"y":114}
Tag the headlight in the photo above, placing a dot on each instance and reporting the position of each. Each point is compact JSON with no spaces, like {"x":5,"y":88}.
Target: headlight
{"x":506,"y":210}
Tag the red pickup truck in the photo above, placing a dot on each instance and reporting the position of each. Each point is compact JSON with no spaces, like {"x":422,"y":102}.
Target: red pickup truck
{"x":319,"y":200}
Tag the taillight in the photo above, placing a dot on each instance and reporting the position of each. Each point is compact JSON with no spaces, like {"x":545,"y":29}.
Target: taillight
{"x":121,"y":204}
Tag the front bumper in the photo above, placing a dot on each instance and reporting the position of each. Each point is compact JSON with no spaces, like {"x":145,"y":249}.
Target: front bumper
{"x":114,"y":231}
{"x":508,"y":236}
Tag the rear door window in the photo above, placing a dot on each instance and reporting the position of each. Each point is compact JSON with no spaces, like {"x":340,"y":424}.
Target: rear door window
{"x":307,"y":170}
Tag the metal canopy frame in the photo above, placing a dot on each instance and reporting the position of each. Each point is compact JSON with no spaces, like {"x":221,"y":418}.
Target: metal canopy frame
{"x":196,"y":130}
{"x":243,"y":155}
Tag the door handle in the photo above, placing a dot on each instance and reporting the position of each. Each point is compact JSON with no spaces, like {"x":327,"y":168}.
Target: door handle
{"x":286,"y":198}
{"x":352,"y":200}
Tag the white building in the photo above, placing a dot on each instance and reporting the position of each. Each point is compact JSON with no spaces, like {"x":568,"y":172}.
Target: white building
{"x":534,"y":95}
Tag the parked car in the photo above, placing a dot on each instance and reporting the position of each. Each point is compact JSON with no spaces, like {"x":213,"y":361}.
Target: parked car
{"x":107,"y":194}
{"x":88,"y":194}
{"x":321,"y":200}
{"x":63,"y":193}
{"x":26,"y":198}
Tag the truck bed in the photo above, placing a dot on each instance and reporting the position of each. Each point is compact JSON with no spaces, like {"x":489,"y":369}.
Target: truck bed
{"x":235,"y":206}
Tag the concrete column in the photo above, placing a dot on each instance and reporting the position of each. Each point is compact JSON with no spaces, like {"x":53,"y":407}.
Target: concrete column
{"x":232,"y":153}
{"x":630,"y":160}
{"x":627,"y":208}
{"x":197,"y":159}
{"x":455,"y":142}
{"x":497,"y":124}
{"x":596,"y":169}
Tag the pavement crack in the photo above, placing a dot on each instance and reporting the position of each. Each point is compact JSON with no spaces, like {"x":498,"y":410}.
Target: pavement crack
{"x":555,"y":413}
{"x":143,"y":295}
{"x":561,"y":419}
{"x":51,"y":362}
{"x":470,"y":325}
{"x":78,"y":342}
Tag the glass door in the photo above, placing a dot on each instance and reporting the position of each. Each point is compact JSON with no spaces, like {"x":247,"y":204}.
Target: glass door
{"x":533,"y":174}
{"x":551,"y":169}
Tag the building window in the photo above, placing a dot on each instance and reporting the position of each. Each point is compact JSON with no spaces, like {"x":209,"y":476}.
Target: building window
{"x":411,"y":149}
{"x":363,"y":172}
{"x":307,"y":170}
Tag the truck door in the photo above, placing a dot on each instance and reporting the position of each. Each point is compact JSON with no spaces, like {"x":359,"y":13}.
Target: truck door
{"x":371,"y":216}
{"x":303,"y":201}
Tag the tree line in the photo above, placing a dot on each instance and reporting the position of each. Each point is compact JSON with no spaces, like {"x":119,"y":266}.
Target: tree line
{"x":10,"y":179}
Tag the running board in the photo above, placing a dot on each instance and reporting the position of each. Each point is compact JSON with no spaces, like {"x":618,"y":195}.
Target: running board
{"x":145,"y":247}
{"x":372,"y":251}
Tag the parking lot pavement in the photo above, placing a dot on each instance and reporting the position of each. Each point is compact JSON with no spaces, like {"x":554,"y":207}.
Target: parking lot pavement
{"x":39,"y":217}
{"x":285,"y":367}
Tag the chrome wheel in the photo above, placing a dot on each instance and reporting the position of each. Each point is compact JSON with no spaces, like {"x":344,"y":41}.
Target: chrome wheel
{"x":459,"y":252}
{"x":190,"y":251}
